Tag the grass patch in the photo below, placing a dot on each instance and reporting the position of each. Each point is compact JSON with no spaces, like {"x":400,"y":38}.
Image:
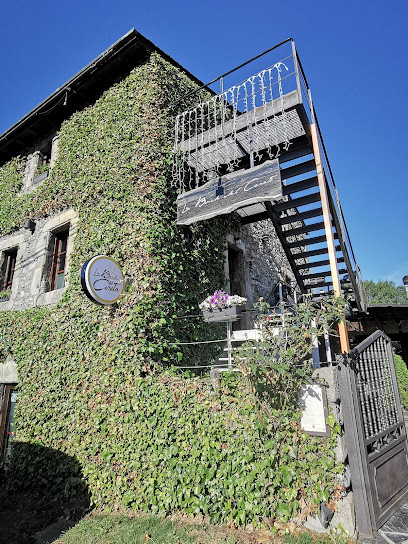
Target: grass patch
{"x":149,"y":529}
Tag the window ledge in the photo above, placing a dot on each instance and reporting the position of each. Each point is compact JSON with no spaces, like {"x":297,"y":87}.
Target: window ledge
{"x":50,"y":298}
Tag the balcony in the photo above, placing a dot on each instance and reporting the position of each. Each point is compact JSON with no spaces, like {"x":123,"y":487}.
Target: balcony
{"x":263,"y":126}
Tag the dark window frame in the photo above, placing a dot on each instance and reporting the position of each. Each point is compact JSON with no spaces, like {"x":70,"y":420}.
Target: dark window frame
{"x":9,"y":267}
{"x":59,"y":258}
{"x":5,"y":416}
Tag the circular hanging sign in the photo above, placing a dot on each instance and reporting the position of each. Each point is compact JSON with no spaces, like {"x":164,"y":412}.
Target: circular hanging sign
{"x":102,"y":280}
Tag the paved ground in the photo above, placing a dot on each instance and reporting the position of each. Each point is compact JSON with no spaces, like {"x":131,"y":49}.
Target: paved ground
{"x":395,"y":531}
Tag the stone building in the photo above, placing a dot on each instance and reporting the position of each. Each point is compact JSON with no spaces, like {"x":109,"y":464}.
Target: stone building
{"x":96,"y":169}
{"x":36,"y":248}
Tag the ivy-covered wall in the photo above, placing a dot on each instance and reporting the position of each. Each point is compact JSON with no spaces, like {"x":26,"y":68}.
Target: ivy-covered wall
{"x":95,"y":383}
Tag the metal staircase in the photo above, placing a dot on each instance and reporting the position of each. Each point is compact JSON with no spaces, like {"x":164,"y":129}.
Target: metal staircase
{"x":254,"y":122}
{"x":299,"y":225}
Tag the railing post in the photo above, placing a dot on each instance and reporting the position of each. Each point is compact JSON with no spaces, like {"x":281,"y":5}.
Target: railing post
{"x":296,"y":64}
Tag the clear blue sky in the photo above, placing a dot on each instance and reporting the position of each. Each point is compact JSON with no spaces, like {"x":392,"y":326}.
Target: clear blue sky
{"x":354,"y":55}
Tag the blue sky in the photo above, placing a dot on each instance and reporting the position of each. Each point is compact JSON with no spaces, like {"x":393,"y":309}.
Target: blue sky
{"x":354,"y":55}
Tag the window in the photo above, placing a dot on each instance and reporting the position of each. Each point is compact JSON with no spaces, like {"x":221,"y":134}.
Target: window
{"x":59,"y":260}
{"x":9,"y":266}
{"x":39,"y":164}
{"x":7,"y":420}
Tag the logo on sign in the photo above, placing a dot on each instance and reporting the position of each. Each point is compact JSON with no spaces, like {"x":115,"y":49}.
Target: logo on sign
{"x":102,"y":280}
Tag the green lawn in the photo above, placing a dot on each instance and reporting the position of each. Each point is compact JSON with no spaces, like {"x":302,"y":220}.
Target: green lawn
{"x":148,"y":529}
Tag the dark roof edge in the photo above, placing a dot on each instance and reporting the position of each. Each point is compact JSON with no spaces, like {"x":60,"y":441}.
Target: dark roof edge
{"x":115,"y":49}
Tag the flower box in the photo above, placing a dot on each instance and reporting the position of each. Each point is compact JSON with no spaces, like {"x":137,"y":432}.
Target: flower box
{"x":40,"y":178}
{"x":219,"y":315}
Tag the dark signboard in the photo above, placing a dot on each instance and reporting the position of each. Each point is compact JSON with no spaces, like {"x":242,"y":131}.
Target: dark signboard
{"x":229,"y":193}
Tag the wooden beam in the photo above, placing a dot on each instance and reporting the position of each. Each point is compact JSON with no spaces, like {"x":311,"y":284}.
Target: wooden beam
{"x":344,"y":341}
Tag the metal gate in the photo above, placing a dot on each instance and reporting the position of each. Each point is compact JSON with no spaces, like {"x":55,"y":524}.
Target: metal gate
{"x":375,"y":432}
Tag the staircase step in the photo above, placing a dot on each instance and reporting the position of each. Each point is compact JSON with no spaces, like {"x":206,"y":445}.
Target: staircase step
{"x":300,"y":216}
{"x":323,"y":274}
{"x":297,"y":169}
{"x":318,"y":263}
{"x":320,"y":284}
{"x":297,"y":202}
{"x":314,"y":252}
{"x":300,"y":186}
{"x":295,"y":153}
{"x":308,"y":242}
{"x":304,"y":230}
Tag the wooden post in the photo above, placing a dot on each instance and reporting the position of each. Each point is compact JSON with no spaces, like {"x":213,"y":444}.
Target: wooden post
{"x":344,"y":341}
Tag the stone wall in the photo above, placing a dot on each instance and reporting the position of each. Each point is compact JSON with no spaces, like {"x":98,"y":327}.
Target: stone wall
{"x":264,"y":264}
{"x":344,"y":516}
{"x":34,"y":248}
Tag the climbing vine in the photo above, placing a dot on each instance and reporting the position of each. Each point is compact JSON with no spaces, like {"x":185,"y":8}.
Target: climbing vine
{"x":97,"y":384}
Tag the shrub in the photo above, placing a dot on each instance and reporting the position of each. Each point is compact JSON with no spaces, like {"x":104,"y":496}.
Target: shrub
{"x":402,"y":378}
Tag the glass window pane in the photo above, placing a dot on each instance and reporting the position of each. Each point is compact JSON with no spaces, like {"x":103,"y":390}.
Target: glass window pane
{"x":63,"y":244}
{"x":60,"y":280}
{"x":61,"y":263}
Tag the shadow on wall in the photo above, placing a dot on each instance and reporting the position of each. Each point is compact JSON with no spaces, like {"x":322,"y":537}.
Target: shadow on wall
{"x":41,"y":487}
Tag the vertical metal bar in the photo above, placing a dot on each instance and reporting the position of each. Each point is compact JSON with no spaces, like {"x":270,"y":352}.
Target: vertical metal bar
{"x":379,"y":383}
{"x":387,"y":383}
{"x":329,"y":358}
{"x":315,"y":347}
{"x":296,"y":64}
{"x":369,"y":357}
{"x":196,"y":150}
{"x":364,"y":396}
{"x":229,"y":344}
{"x":344,"y":341}
{"x":251,"y":145}
{"x":222,"y":104}
{"x":393,"y":404}
{"x":311,"y":105}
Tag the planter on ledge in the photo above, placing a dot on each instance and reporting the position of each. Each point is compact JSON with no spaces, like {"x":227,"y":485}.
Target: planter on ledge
{"x":222,"y":315}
